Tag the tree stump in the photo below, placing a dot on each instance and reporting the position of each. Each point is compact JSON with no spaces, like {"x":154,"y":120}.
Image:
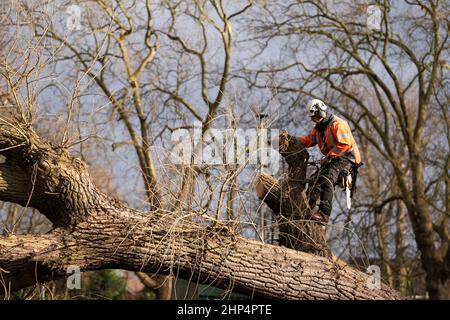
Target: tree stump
{"x":288,"y":201}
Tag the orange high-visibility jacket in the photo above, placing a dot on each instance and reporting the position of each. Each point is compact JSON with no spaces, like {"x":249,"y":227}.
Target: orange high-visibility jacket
{"x":338,"y":140}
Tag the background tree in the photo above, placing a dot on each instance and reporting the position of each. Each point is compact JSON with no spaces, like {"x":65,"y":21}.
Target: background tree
{"x":333,"y":55}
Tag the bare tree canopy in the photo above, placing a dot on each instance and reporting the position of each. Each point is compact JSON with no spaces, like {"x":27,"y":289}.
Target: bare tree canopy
{"x":161,"y":138}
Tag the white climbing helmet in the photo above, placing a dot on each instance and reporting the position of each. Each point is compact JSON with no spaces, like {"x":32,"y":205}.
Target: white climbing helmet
{"x":317,"y":108}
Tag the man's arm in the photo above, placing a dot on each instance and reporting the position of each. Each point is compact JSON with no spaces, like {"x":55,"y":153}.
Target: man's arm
{"x":308,"y":140}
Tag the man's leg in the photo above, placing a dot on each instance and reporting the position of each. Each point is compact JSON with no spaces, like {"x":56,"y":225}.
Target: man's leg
{"x":326,"y":195}
{"x":327,"y":179}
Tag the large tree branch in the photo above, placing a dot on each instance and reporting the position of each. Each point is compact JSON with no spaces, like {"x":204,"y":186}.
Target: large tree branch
{"x":129,"y":241}
{"x":38,"y":175}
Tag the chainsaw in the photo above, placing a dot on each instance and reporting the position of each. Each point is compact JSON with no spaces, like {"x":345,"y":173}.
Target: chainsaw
{"x":349,"y":183}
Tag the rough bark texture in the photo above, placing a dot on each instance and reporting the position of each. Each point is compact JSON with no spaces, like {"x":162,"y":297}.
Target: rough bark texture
{"x":288,"y":201}
{"x":94,"y":231}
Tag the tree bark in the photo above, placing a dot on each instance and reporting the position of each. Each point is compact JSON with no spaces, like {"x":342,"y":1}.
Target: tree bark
{"x":435,"y":260}
{"x":94,"y":231}
{"x":288,"y":201}
{"x":160,"y":284}
{"x":400,"y":248}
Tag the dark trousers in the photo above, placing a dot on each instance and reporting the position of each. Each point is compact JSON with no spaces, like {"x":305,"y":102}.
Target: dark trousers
{"x":322,"y":185}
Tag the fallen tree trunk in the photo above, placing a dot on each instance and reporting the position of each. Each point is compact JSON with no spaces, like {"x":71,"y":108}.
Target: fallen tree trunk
{"x":142,"y":244}
{"x":94,"y":231}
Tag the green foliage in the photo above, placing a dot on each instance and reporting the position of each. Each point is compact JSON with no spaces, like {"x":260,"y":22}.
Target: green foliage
{"x":104,"y":284}
{"x":147,"y":294}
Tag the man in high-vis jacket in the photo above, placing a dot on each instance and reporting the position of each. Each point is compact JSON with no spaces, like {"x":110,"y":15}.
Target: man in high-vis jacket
{"x":335,"y":140}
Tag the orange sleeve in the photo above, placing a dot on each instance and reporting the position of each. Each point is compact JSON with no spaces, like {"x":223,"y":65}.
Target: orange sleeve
{"x":342,"y":138}
{"x":308,"y":140}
